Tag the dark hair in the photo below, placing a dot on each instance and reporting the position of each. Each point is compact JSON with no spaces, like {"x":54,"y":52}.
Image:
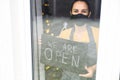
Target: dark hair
{"x":88,"y":4}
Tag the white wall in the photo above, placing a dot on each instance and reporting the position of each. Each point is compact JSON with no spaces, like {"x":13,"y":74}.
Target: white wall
{"x":6,"y":48}
{"x":20,"y":12}
{"x":109,"y":41}
{"x":15,"y":39}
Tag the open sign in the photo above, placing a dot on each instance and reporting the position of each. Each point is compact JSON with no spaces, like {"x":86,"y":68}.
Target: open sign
{"x":65,"y":54}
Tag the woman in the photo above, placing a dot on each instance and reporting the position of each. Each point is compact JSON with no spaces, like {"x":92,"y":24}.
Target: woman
{"x":82,"y":33}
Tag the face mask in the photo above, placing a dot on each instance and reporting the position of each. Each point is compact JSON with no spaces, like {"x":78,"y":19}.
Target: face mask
{"x":79,"y":16}
{"x":79,"y":19}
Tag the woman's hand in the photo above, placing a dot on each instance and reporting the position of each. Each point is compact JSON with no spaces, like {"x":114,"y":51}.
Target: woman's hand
{"x":90,"y":71}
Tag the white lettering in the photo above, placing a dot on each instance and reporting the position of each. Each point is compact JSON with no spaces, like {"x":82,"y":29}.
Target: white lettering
{"x":63,"y":58}
{"x":58,"y":55}
{"x":48,"y":53}
{"x":74,"y":61}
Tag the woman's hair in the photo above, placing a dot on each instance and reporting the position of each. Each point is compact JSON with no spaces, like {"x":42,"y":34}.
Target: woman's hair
{"x":88,"y":4}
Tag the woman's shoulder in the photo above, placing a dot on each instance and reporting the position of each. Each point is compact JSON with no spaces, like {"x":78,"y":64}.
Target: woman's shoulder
{"x":67,"y":30}
{"x":95,"y":29}
{"x":65,"y":33}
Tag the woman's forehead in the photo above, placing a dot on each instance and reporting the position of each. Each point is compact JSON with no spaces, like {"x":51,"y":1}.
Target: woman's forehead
{"x":80,"y":5}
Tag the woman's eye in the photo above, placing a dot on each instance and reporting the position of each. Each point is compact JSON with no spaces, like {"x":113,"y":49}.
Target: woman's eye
{"x":84,"y":11}
{"x":76,"y":11}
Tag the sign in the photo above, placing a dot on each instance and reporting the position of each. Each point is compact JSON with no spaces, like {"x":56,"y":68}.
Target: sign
{"x":65,"y":54}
